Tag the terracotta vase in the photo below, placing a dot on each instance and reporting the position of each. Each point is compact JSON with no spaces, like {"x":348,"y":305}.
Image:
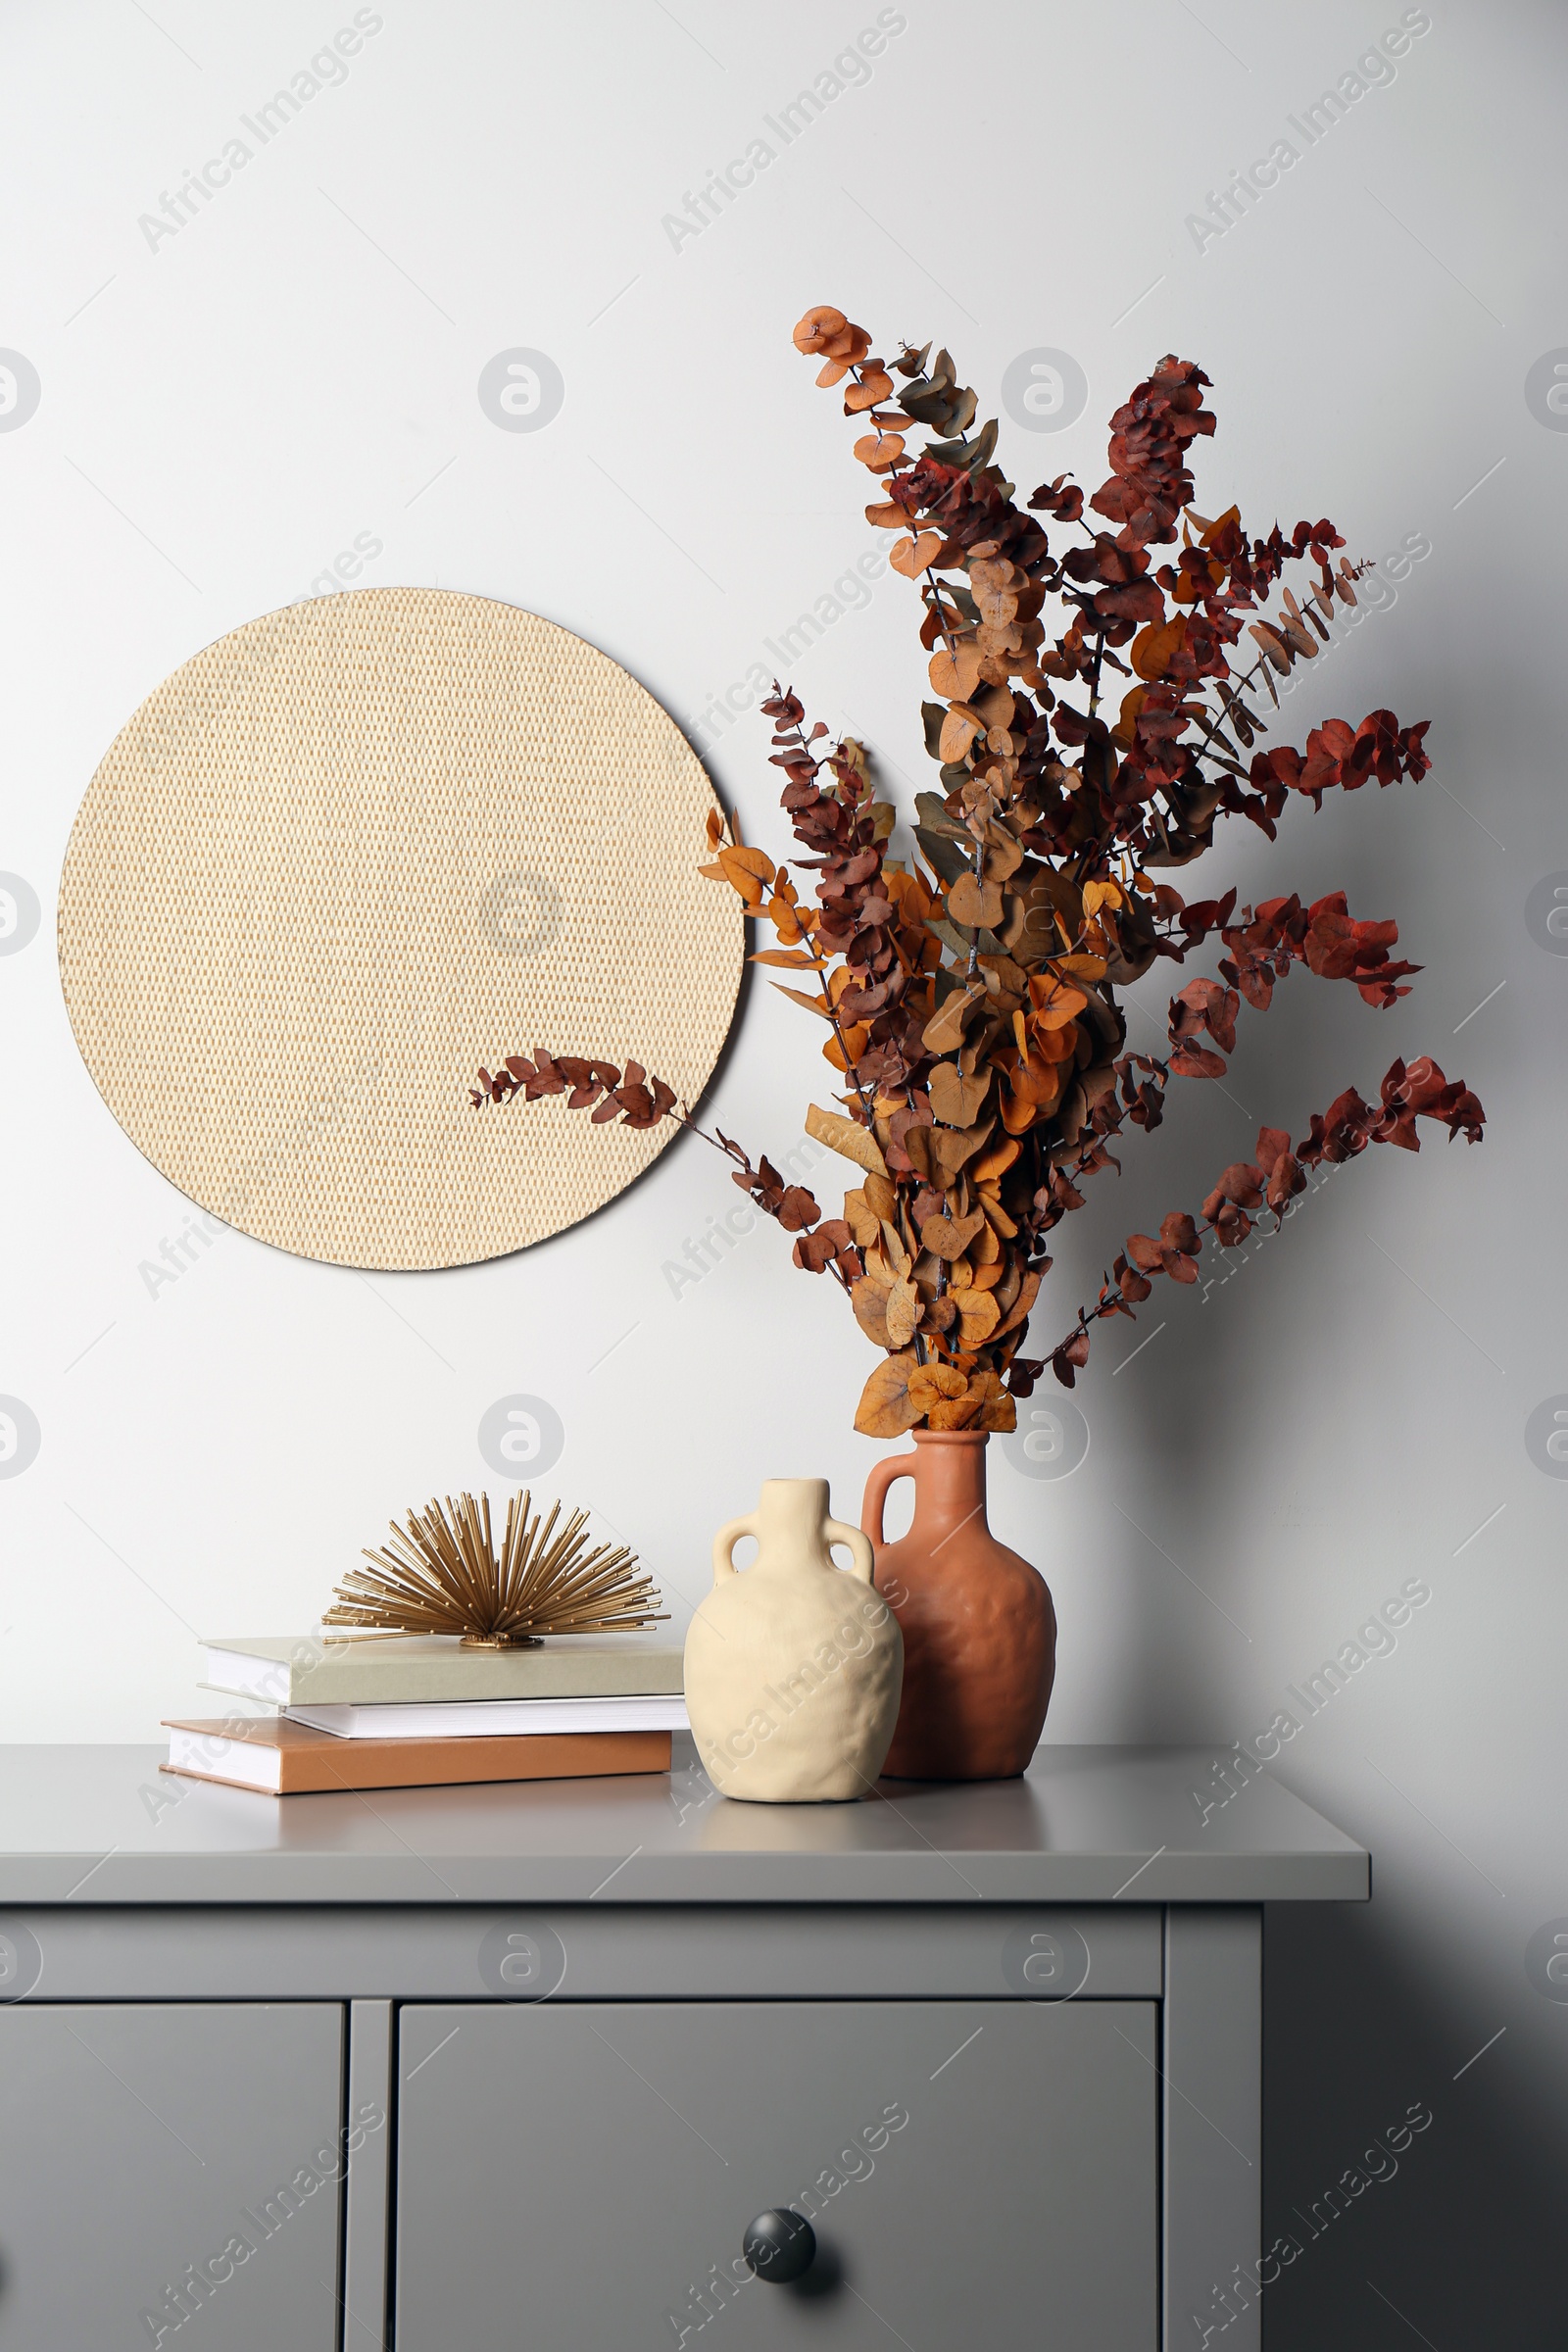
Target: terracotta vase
{"x":792,"y":1665}
{"x":979,"y":1628}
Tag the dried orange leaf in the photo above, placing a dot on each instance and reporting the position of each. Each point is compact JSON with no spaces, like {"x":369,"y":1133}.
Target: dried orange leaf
{"x":1153,"y":648}
{"x":975,"y":904}
{"x":956,"y":1100}
{"x":1003,"y":855}
{"x":797,"y":996}
{"x":870,"y":1300}
{"x":866,"y":1226}
{"x":819,"y":326}
{"x":912,"y":556}
{"x":873,"y":386}
{"x":1054,"y":1004}
{"x":995,"y":1162}
{"x":933,"y":1384}
{"x":749,"y":870}
{"x":846,"y":1136}
{"x":1020,"y":1310}
{"x":948,"y":1237}
{"x":978,"y":1316}
{"x":902,"y":1312}
{"x":943,"y":1031}
{"x":1040,"y":1081}
{"x":1131,"y":705}
{"x":995,"y":1215}
{"x":959,"y":730}
{"x":951,"y":1146}
{"x":955,"y":1413}
{"x":886,"y":1408}
{"x":893,"y":1249}
{"x":1047,"y":1045}
{"x":956,"y":676}
{"x":881,"y":1197}
{"x":856,"y":1037}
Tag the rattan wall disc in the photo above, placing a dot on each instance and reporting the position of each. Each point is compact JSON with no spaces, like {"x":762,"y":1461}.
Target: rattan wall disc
{"x":350,"y":851}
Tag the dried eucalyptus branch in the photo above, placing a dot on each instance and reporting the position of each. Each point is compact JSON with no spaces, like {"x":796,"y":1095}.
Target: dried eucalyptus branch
{"x":634,"y":1099}
{"x":970,"y":996}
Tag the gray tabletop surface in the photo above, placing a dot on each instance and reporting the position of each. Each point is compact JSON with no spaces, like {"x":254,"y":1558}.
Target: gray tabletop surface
{"x":95,"y":1825}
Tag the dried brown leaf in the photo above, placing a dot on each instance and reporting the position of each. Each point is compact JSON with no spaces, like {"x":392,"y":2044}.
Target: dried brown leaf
{"x":974,"y":904}
{"x":881,"y":1197}
{"x":951,"y":1146}
{"x":797,"y":996}
{"x":936,"y":1384}
{"x":957,"y":1412}
{"x":886,"y":1408}
{"x":861,"y":1219}
{"x":959,"y":730}
{"x":869,"y":1298}
{"x":957,"y":1100}
{"x":749,"y":870}
{"x":902,"y":1313}
{"x":948,"y":1237}
{"x":912,"y":556}
{"x":978,"y":1317}
{"x":956,"y":676}
{"x":944,"y":1031}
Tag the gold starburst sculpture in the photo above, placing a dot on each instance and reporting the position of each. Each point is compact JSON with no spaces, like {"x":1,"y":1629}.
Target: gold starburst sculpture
{"x":444,"y":1576}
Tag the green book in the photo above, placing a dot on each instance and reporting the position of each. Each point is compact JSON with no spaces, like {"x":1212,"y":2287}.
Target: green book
{"x":291,"y":1670}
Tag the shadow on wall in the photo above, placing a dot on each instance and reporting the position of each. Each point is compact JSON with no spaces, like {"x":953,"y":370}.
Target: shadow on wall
{"x":1352,"y":2043}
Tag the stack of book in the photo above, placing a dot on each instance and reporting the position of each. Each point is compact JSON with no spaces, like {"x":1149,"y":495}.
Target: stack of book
{"x":412,"y":1710}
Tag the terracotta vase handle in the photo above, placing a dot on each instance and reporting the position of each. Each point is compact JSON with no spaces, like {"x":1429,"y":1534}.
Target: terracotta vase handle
{"x":724,"y":1544}
{"x":855,"y":1544}
{"x":883,"y":1473}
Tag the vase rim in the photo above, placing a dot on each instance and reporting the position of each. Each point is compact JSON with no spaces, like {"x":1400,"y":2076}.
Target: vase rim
{"x":950,"y":1437}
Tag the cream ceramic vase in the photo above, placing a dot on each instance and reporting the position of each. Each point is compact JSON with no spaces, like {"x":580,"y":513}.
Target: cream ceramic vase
{"x":793,"y":1666}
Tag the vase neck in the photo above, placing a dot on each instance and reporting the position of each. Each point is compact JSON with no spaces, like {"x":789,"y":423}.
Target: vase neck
{"x":950,"y":1486}
{"x":788,"y":1519}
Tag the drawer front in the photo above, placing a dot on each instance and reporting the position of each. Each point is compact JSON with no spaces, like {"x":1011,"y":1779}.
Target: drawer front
{"x":980,"y":2173}
{"x":625,"y":1953}
{"x":167,"y":2176}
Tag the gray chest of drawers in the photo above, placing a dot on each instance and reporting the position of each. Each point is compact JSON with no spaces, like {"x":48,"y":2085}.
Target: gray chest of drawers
{"x":495,"y":2068}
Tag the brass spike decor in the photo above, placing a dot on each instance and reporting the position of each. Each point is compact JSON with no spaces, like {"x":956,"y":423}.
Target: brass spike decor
{"x":443,"y":1575}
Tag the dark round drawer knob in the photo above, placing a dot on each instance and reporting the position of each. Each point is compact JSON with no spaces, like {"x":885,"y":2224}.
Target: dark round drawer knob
{"x":780,"y":2245}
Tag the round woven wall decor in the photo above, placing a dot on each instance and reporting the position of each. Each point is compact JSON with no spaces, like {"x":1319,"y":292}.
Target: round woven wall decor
{"x":345,"y":855}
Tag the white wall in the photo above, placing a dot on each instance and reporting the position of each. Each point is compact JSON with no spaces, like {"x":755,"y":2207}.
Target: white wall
{"x":225,"y":409}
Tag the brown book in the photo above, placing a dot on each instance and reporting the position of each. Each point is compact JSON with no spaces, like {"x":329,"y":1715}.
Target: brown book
{"x":289,"y":1759}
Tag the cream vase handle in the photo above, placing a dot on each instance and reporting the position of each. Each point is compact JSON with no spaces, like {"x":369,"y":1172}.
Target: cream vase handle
{"x":724,"y":1544}
{"x":859,"y":1546}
